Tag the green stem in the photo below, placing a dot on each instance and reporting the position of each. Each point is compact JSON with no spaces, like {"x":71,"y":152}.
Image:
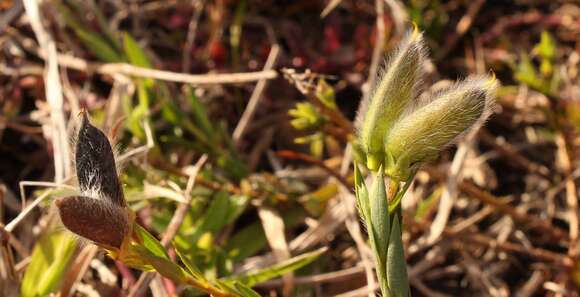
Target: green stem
{"x":208,"y":288}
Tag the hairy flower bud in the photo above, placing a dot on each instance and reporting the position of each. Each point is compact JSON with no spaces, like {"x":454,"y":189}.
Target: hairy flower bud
{"x":95,"y":163}
{"x":422,"y":134}
{"x":97,"y":220}
{"x":391,"y":95}
{"x":100,"y":213}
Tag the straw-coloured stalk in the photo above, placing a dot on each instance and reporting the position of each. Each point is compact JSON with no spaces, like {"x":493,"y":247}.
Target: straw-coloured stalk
{"x":396,"y":86}
{"x":426,"y":131}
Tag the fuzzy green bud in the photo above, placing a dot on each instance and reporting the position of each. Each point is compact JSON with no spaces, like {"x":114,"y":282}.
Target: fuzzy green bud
{"x":395,"y":88}
{"x":420,"y":135}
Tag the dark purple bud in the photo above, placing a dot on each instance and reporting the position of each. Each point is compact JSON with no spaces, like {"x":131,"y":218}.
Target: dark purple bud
{"x":95,"y":163}
{"x":97,"y":220}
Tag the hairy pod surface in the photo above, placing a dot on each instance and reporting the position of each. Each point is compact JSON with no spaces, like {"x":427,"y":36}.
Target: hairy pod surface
{"x":394,"y":90}
{"x":95,"y":163}
{"x":427,"y":130}
{"x":96,"y":220}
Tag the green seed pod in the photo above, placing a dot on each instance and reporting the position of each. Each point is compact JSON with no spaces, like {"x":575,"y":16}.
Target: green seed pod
{"x":420,"y":135}
{"x":97,"y":220}
{"x":391,"y":95}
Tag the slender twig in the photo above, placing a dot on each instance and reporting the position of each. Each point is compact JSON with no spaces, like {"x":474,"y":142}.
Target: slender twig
{"x":10,"y":227}
{"x":256,"y":96}
{"x":111,"y":69}
{"x":53,"y":90}
{"x":274,"y":226}
{"x":450,"y":192}
{"x":191,"y":33}
{"x":566,"y":161}
{"x":462,"y":27}
{"x":194,"y":79}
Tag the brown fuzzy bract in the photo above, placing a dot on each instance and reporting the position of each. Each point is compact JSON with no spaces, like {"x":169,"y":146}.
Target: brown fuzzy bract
{"x":99,"y":221}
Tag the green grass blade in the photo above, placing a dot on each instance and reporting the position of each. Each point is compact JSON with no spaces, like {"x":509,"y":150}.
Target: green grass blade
{"x":134,"y":53}
{"x":150,"y":242}
{"x":396,"y":267}
{"x":48,"y":265}
{"x":279,"y":269}
{"x":191,"y":267}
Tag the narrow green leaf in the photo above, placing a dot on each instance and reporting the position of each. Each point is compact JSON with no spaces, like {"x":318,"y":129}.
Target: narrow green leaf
{"x":162,"y":265}
{"x":223,"y":210}
{"x":279,"y":269}
{"x":91,"y":40}
{"x":104,"y":24}
{"x":134,"y":53}
{"x":48,"y":264}
{"x":236,"y":33}
{"x":396,"y":265}
{"x":150,"y":242}
{"x":378,"y":226}
{"x":98,"y":46}
{"x":245,"y":291}
{"x":547,"y":46}
{"x":246,"y":242}
{"x":140,"y":112}
{"x":362,"y":196}
{"x":379,"y":215}
{"x":200,"y":114}
{"x":195,"y":272}
{"x":526,"y":73}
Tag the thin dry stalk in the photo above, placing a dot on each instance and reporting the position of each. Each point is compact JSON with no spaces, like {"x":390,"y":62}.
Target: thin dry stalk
{"x":112,"y":69}
{"x":461,"y":28}
{"x":53,"y":90}
{"x":274,"y":229}
{"x":571,"y":193}
{"x":198,"y":6}
{"x":450,"y":193}
{"x":256,"y":96}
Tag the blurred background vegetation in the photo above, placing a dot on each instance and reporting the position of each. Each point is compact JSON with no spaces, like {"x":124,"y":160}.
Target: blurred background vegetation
{"x":497,"y":215}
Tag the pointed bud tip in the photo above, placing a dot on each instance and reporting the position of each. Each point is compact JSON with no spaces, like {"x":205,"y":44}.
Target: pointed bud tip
{"x":492,"y":80}
{"x":416,"y":32}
